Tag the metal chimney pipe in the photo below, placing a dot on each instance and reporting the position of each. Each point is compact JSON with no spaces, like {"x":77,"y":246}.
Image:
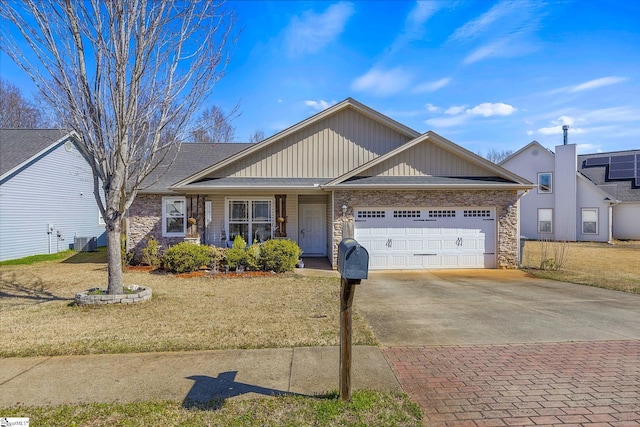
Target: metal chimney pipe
{"x":565,"y":132}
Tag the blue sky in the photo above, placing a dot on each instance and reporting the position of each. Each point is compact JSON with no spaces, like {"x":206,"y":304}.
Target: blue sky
{"x":484,"y":74}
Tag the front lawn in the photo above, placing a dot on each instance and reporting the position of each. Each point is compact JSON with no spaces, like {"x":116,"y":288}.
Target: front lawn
{"x":199,"y":313}
{"x":366,"y":408}
{"x":610,"y":266}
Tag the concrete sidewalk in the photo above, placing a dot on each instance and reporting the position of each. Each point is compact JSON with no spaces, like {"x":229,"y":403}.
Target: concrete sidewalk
{"x":187,"y":376}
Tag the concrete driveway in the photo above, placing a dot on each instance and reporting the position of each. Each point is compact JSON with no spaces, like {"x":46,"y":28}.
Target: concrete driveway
{"x":414,"y":308}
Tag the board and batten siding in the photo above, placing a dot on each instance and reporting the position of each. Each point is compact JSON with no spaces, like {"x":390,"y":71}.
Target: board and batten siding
{"x":426,"y":158}
{"x":329,"y":148}
{"x":56,"y":188}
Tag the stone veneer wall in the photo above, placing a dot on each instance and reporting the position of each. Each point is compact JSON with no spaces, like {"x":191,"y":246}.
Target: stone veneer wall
{"x":145,"y":219}
{"x":505,"y":202}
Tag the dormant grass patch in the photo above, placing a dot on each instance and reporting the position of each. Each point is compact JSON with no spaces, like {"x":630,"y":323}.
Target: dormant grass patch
{"x":199,"y":313}
{"x":610,"y":266}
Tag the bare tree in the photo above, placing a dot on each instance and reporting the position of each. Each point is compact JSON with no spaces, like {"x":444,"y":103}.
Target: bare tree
{"x":121,"y":73}
{"x":256,"y":136}
{"x":215,"y":126}
{"x":496,"y":156}
{"x":17,"y":112}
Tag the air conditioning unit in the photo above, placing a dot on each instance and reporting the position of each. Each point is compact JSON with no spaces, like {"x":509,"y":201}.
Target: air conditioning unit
{"x":85,"y":244}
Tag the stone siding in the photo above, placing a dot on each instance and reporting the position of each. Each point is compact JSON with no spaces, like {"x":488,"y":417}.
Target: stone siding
{"x":145,"y":220}
{"x":505,"y":202}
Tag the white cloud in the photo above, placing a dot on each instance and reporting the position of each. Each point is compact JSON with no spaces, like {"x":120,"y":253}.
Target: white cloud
{"x":556,"y":128}
{"x":482,"y":23}
{"x":414,"y":26}
{"x":444,"y":122}
{"x":320,"y":104}
{"x":488,"y":109}
{"x":460,"y":113}
{"x":529,"y":132}
{"x":432,"y":108}
{"x":593,"y":84}
{"x":431,"y":86}
{"x":421,"y":12}
{"x":313,"y":31}
{"x":456,"y":109}
{"x":383,"y":82}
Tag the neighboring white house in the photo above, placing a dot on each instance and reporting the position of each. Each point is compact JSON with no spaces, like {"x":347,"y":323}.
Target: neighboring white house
{"x":568,"y":203}
{"x":46,"y":194}
{"x":618,"y":174}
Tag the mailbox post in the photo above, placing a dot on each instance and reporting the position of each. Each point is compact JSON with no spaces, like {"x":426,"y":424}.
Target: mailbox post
{"x":353,"y":266}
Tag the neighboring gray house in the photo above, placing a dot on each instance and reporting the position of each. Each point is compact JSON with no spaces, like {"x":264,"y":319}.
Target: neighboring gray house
{"x":414,"y":201}
{"x":46,"y":193}
{"x":577,"y":198}
{"x":618,"y":174}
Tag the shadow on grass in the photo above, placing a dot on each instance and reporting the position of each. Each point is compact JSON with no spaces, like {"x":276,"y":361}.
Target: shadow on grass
{"x":23,"y":290}
{"x":209,"y":393}
{"x":98,"y":257}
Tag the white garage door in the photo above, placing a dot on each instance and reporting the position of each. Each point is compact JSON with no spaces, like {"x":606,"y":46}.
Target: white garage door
{"x":427,"y":237}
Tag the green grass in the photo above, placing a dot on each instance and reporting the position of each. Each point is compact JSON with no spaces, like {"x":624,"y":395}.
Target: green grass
{"x":366,"y":408}
{"x":39,"y":258}
{"x":68,"y":256}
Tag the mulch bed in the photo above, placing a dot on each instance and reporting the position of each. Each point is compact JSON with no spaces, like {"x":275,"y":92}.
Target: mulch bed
{"x":201,"y":273}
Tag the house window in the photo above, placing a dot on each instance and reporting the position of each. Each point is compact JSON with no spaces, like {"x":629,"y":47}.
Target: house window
{"x":100,"y":218}
{"x":174,"y":212}
{"x":590,"y":221}
{"x":545,"y":221}
{"x":545,"y":182}
{"x":251,"y":219}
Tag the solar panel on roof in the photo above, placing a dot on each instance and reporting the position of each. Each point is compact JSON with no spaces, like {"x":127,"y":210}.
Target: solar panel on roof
{"x":621,"y":159}
{"x":596,"y":161}
{"x":622,"y":174}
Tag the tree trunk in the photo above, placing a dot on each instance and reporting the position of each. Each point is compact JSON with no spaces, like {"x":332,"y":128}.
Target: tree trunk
{"x":114,"y":258}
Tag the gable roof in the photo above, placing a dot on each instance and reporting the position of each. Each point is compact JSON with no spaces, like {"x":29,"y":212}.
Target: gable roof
{"x":533,"y":143}
{"x":623,"y":190}
{"x":495,"y":175}
{"x":348,"y":103}
{"x":20,"y":146}
{"x":191,"y":158}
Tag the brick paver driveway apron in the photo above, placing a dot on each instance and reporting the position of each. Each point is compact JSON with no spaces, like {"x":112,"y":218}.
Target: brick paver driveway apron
{"x":499,"y":348}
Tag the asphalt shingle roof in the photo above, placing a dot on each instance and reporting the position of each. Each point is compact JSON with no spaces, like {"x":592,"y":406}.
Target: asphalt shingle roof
{"x":19,"y":145}
{"x":622,"y":190}
{"x":192,"y":158}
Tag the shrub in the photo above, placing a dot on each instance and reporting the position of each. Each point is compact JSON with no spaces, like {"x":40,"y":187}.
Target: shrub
{"x":218,"y":258}
{"x":237,"y":255}
{"x":279,"y":255}
{"x":150,"y":254}
{"x":186,"y":257}
{"x":253,"y":257}
{"x":126,"y":257}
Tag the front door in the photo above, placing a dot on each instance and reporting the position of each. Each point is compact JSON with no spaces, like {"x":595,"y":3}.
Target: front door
{"x":312,"y":236}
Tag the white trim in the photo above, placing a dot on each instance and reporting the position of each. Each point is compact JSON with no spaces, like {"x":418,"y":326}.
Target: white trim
{"x":347,"y":103}
{"x":538,"y":221}
{"x":40,"y":153}
{"x":227,"y":200}
{"x":540,"y":191}
{"x":164,"y":216}
{"x":434,"y":138}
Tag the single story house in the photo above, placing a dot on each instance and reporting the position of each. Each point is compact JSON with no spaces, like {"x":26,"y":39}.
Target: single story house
{"x":414,"y":201}
{"x":578,"y":198}
{"x":46,"y":194}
